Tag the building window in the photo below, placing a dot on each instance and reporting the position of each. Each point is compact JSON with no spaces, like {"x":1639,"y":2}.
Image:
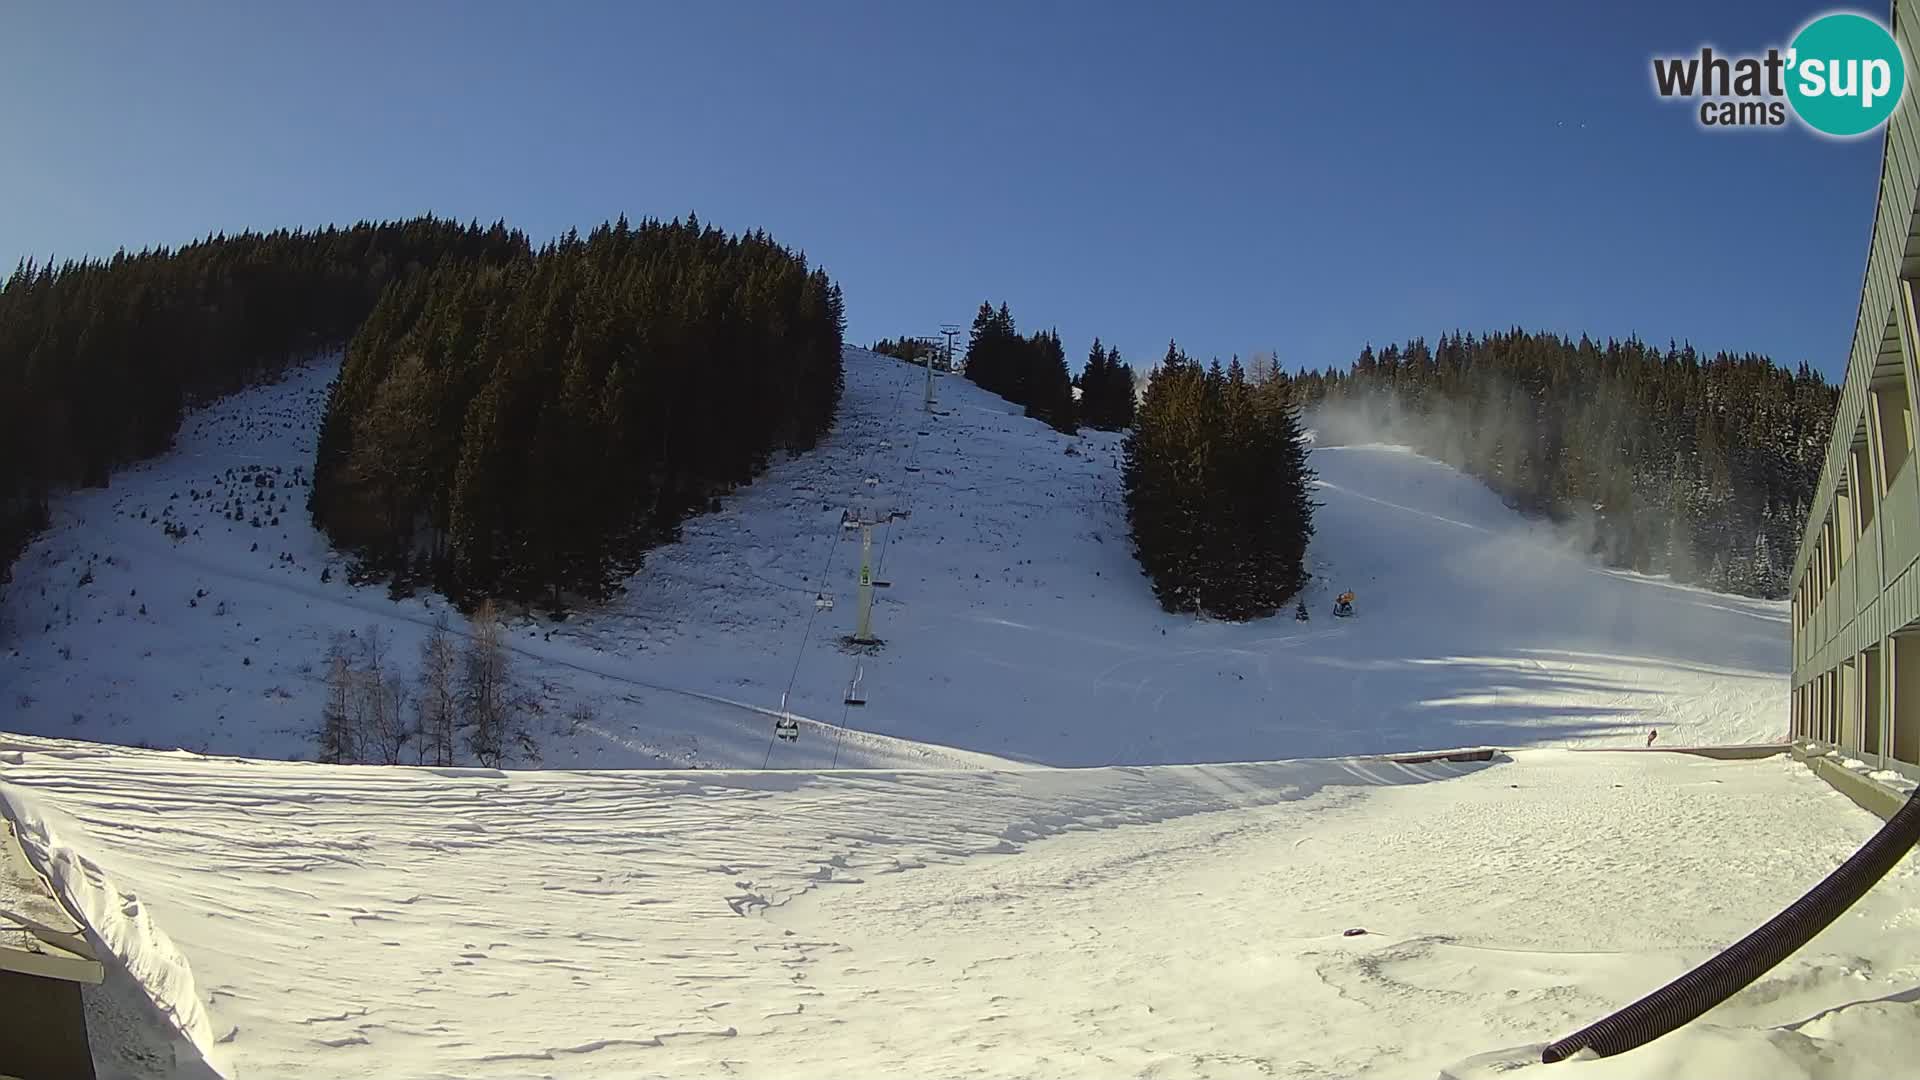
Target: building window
{"x":1863,"y":483}
{"x":1895,"y":414}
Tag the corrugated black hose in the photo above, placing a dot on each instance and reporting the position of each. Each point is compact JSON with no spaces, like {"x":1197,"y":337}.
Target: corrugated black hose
{"x":1724,"y":975}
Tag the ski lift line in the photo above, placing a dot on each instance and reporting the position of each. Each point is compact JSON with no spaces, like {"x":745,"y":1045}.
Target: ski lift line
{"x":886,"y":537}
{"x":768,"y":758}
{"x":886,"y":533}
{"x":840,"y":737}
{"x":806,"y":633}
{"x":849,"y":699}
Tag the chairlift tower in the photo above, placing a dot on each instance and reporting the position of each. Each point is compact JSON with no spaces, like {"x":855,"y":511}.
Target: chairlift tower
{"x":863,"y":633}
{"x":863,"y":629}
{"x":928,"y":404}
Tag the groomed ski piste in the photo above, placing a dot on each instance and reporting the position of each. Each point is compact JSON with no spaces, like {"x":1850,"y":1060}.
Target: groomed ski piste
{"x":1067,"y":835}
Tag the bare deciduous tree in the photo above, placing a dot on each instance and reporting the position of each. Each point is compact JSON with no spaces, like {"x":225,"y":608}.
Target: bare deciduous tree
{"x":484,"y":683}
{"x":336,"y":726}
{"x":438,"y":704}
{"x":393,"y":730}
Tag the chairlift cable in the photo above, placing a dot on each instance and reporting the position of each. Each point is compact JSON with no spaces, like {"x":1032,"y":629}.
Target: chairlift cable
{"x":806,"y":632}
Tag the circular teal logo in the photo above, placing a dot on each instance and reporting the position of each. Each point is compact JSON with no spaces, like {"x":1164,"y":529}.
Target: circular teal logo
{"x":1845,"y":74}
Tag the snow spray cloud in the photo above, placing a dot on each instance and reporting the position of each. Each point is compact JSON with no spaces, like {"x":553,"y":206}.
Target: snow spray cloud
{"x":1842,"y":75}
{"x":1445,"y":431}
{"x":1513,"y":577}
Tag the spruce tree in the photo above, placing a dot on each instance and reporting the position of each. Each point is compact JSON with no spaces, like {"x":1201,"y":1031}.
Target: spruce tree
{"x":1217,"y":491}
{"x":1049,"y":386}
{"x":1120,"y":394}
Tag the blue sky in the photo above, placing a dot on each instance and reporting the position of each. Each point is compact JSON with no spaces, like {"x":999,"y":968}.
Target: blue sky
{"x":1237,"y":176}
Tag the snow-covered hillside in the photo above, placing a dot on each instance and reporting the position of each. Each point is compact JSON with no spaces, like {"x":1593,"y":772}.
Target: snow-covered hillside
{"x":1178,"y":921}
{"x":943,"y":904}
{"x":1017,"y":625}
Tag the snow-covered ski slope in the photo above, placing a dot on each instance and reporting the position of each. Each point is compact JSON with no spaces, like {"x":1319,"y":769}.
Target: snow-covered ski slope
{"x":1017,"y":627}
{"x":938,"y":905}
{"x":1178,"y":921}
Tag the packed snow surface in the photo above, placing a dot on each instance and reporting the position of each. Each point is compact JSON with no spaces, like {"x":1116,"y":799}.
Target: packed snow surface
{"x":1170,"y":921}
{"x":1017,"y":626}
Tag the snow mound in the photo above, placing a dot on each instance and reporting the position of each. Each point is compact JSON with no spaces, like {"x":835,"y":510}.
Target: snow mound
{"x":119,"y":923}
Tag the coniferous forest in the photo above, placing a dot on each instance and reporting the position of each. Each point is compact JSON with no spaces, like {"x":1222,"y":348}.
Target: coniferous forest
{"x":507,"y":421}
{"x":528,"y":429}
{"x":1216,"y":485}
{"x":99,"y":358}
{"x":1029,"y":371}
{"x":912,"y":350}
{"x":1700,"y":467}
{"x":1106,"y":390}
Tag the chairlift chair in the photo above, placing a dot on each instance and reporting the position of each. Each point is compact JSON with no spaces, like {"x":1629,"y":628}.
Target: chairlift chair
{"x":787,"y":728}
{"x":823,"y":602}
